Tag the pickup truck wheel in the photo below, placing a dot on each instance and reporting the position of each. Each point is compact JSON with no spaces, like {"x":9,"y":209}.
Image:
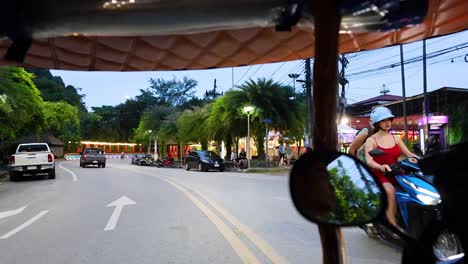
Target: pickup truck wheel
{"x":15,"y":176}
{"x":52,"y":174}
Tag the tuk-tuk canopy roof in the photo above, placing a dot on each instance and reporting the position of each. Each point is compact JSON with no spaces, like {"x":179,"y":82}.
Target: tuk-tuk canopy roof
{"x":178,"y":48}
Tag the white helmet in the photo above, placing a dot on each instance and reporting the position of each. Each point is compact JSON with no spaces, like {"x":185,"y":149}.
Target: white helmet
{"x":380,"y":113}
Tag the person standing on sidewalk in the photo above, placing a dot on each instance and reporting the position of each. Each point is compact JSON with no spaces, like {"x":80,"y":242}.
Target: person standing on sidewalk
{"x":288,"y":153}
{"x":281,"y":154}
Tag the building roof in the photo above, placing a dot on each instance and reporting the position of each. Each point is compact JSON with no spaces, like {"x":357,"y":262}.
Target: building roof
{"x":384,"y":97}
{"x":49,"y":139}
{"x":443,"y":89}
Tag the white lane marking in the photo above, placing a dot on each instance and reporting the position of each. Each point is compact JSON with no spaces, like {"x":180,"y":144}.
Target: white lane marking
{"x":282,"y":198}
{"x":12,"y":212}
{"x":71,"y":172}
{"x":23,"y":226}
{"x":119,"y":204}
{"x":276,"y":178}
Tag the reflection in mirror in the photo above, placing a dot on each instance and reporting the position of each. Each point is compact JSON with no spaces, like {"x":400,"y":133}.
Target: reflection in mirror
{"x":357,"y":196}
{"x":335,"y":188}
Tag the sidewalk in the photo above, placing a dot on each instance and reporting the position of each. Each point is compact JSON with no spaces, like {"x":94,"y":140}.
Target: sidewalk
{"x":3,"y":175}
{"x":277,"y":171}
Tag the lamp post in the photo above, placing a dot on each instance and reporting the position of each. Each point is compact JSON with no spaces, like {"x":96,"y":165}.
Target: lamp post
{"x":149,"y":142}
{"x":248,"y":110}
{"x":294,"y":76}
{"x":344,"y":121}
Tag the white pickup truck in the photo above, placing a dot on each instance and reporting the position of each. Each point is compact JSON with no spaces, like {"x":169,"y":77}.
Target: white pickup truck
{"x":31,"y":158}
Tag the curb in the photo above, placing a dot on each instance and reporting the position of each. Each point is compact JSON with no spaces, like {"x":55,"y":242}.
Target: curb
{"x":4,"y":177}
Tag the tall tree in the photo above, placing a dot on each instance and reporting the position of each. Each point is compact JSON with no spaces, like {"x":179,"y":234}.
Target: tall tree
{"x":62,"y":119}
{"x":20,"y":104}
{"x":271,"y":100}
{"x":191,"y":126}
{"x":53,"y":89}
{"x":172,"y":92}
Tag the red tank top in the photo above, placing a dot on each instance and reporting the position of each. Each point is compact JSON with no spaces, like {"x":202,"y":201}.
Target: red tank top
{"x":391,"y":157}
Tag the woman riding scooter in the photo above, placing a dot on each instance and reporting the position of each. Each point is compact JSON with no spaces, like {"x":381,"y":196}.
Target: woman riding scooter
{"x":393,"y":146}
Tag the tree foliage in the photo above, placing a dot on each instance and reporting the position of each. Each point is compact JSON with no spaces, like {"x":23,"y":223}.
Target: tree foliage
{"x":53,"y":89}
{"x":20,"y":104}
{"x":191,"y":126}
{"x":271,"y":100}
{"x":172,"y":92}
{"x":58,"y":116}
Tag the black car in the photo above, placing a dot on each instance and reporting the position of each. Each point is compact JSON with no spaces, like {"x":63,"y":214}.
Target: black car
{"x":204,"y":160}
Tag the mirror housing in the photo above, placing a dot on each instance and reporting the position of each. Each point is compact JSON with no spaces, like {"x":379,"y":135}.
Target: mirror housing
{"x":377,"y":152}
{"x":336,"y":188}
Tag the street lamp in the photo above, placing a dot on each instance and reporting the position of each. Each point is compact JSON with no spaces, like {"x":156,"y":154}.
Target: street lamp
{"x":149,"y":141}
{"x":294,"y":76}
{"x":248,"y":110}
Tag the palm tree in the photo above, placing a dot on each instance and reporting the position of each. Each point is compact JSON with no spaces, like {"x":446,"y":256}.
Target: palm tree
{"x":271,"y":100}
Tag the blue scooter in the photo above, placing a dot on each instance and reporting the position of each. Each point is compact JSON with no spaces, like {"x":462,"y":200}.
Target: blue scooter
{"x":419,"y":208}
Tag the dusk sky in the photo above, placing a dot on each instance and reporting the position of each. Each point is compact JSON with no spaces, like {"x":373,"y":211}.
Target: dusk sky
{"x":450,"y":69}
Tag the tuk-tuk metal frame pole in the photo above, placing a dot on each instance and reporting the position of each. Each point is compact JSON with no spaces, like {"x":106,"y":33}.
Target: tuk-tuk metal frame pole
{"x":327,"y":21}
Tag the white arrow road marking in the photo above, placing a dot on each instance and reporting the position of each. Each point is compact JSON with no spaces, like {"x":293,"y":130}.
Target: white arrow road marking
{"x":12,"y":212}
{"x":119,"y":204}
{"x":71,"y":172}
{"x":26,"y":224}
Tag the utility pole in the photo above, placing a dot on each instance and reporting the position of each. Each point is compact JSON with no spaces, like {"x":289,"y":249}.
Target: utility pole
{"x":425,"y":100}
{"x":342,"y":99}
{"x":405,"y":119}
{"x":294,"y":76}
{"x":342,"y":81}
{"x":310,"y":105}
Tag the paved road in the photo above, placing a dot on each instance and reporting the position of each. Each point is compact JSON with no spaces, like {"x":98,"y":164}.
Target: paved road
{"x":130,"y":214}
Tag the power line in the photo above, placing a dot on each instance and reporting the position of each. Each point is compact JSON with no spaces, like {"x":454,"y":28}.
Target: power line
{"x":282,"y":64}
{"x":255,"y":71}
{"x":244,"y":74}
{"x":371,"y":55}
{"x":413,"y":60}
{"x":285,"y":78}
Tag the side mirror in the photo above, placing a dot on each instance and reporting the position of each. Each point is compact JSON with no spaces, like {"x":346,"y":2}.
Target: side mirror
{"x":335,"y":188}
{"x":377,"y":152}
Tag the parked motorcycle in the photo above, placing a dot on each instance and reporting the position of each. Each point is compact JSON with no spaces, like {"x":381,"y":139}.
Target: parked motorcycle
{"x":165,"y":163}
{"x":144,"y":161}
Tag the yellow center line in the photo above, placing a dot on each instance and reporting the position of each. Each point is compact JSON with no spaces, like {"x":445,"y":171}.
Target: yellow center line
{"x":260,"y":243}
{"x":239,"y":247}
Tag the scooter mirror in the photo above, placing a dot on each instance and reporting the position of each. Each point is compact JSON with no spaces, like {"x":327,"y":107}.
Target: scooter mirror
{"x":335,"y":188}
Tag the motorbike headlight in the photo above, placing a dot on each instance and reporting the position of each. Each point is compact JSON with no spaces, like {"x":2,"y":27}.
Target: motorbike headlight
{"x":425,"y":196}
{"x":426,"y":199}
{"x":205,"y":161}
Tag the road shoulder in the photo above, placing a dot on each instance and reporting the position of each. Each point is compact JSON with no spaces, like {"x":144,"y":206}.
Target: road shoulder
{"x":4,"y":177}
